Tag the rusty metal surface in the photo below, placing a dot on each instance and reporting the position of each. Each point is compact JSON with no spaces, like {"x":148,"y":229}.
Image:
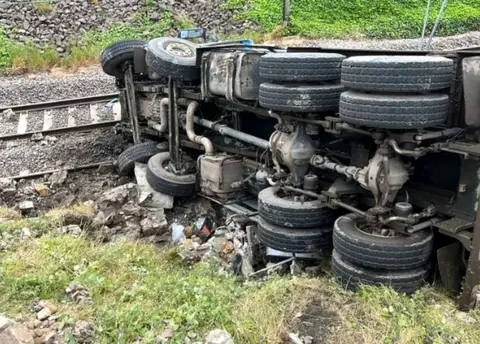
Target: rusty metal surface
{"x":472,"y":277}
{"x":471,"y":86}
{"x":132,"y":105}
{"x":234,"y":75}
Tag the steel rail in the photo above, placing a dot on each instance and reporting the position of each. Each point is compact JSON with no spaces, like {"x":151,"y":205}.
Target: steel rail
{"x":68,"y":169}
{"x":58,"y":131}
{"x":63,"y":103}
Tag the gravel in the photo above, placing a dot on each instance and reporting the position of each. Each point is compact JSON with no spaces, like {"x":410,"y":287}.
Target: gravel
{"x":15,"y":90}
{"x":74,"y":149}
{"x":439,"y":43}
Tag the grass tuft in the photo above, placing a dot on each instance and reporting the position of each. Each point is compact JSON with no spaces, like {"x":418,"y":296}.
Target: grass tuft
{"x":139,"y":291}
{"x":43,"y":6}
{"x":9,"y":214}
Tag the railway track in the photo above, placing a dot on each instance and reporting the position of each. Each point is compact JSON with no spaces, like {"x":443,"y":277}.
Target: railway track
{"x":60,"y":117}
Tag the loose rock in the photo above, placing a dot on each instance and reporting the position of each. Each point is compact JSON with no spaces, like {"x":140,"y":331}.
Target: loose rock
{"x":44,"y":314}
{"x":26,"y":206}
{"x":16,"y":334}
{"x":219,"y":337}
{"x":84,"y":332}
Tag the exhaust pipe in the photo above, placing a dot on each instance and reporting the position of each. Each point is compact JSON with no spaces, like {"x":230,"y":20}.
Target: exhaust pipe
{"x":205,"y":142}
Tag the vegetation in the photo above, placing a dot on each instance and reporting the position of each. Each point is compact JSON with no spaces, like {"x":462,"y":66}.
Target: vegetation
{"x":139,"y":291}
{"x":43,"y":6}
{"x":82,"y":52}
{"x":358,"y":18}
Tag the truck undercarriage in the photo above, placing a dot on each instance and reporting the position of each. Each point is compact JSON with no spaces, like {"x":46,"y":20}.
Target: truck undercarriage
{"x":375,"y":153}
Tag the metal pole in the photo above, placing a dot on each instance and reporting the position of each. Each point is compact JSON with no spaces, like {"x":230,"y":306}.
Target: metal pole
{"x":425,"y":21}
{"x":173,"y":134}
{"x":437,"y":22}
{"x":286,"y":12}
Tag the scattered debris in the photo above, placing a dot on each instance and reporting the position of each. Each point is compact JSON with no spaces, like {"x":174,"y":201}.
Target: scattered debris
{"x":218,"y":337}
{"x":84,"y":332}
{"x":37,"y":137}
{"x":154,"y":223}
{"x":8,"y":187}
{"x":117,"y":196}
{"x":78,"y":293}
{"x":11,"y":115}
{"x":26,"y":206}
{"x":71,"y":229}
{"x":178,"y":232}
{"x":58,"y":178}
{"x":147,"y":196}
{"x":462,"y":316}
{"x":42,"y":190}
{"x":14,"y":333}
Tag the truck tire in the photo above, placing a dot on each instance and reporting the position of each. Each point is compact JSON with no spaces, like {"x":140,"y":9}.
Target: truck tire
{"x":175,"y":57}
{"x":138,"y":153}
{"x":300,"y":98}
{"x":114,"y":56}
{"x":307,"y":240}
{"x":166,"y":182}
{"x":300,"y":67}
{"x":397,"y":73}
{"x":388,"y":253}
{"x":393,"y":111}
{"x":293,"y":214}
{"x":351,"y":276}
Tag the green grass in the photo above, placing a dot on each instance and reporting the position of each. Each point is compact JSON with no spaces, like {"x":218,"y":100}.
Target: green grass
{"x":81,"y":52}
{"x":359,"y":18}
{"x":139,"y":290}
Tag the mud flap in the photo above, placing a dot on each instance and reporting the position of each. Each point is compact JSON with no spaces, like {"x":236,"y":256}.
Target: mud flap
{"x":449,"y":260}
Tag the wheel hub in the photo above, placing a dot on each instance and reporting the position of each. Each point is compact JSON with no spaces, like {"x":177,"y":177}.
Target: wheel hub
{"x":179,"y":49}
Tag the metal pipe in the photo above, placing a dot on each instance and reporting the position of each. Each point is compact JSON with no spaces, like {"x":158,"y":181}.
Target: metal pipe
{"x":423,"y":225}
{"x":351,"y":172}
{"x":438,"y":134}
{"x":417,"y":153}
{"x":437,"y":23}
{"x":163,"y":127}
{"x":348,"y":127}
{"x":205,"y":142}
{"x":304,"y":192}
{"x":348,"y":207}
{"x":227,"y":131}
{"x":398,"y":218}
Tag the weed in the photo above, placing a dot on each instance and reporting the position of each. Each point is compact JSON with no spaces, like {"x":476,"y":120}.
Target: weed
{"x":43,"y":6}
{"x":346,"y":18}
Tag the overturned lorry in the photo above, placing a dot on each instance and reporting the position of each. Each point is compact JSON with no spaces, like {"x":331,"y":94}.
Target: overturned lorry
{"x":372,"y":153}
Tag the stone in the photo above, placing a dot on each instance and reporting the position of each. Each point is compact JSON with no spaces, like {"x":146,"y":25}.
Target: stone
{"x":58,"y":178}
{"x":44,"y":314}
{"x":51,"y":139}
{"x":71,"y":229}
{"x":147,"y":196}
{"x":4,"y":323}
{"x":26,"y":233}
{"x":49,"y":338}
{"x":155,"y":16}
{"x":42,"y":190}
{"x":117,"y":196}
{"x":84,"y":332}
{"x":10,"y":115}
{"x":218,"y":337}
{"x":16,"y":334}
{"x":26,"y":206}
{"x":37,"y":137}
{"x":462,"y":316}
{"x":7,"y":183}
{"x":154,"y":224}
{"x":46,"y":304}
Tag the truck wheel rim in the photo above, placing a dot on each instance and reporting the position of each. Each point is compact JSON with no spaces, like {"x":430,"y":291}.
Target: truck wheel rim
{"x":179,"y":49}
